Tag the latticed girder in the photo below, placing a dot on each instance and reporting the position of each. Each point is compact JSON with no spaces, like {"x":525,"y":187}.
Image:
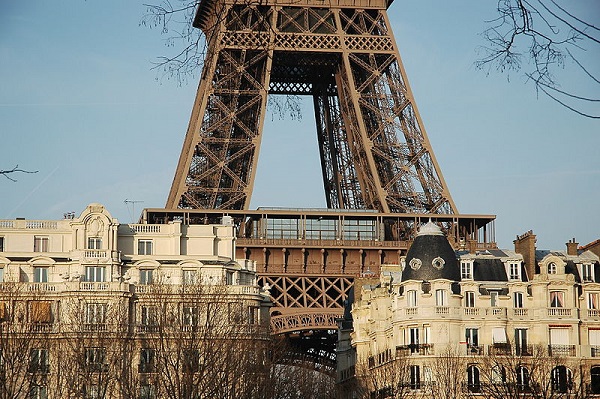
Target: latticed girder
{"x":375,"y":153}
{"x":289,"y":291}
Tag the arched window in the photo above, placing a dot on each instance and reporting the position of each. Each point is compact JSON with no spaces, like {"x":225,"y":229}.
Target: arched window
{"x":595,"y":379}
{"x":561,"y":379}
{"x":473,"y":382}
{"x":522,"y":379}
{"x":498,"y":375}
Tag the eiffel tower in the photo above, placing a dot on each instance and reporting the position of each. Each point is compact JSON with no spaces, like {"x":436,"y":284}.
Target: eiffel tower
{"x":374,"y":150}
{"x":380,"y":175}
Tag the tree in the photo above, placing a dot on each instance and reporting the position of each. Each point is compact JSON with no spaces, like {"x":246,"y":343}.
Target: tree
{"x":448,"y":371}
{"x":25,"y":330}
{"x":548,"y":36}
{"x":532,"y":372}
{"x":16,"y":169}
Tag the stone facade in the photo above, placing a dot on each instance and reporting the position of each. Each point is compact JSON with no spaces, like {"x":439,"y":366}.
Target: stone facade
{"x":496,"y":309}
{"x":89,"y":283}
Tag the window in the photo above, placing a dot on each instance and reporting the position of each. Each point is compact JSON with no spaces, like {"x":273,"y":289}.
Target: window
{"x":147,"y":357}
{"x":235,"y":312}
{"x":493,"y":298}
{"x":95,"y":313}
{"x":147,"y":391}
{"x":95,"y":358}
{"x":40,"y":244}
{"x":145,"y":247}
{"x":552,"y":268}
{"x":518,"y":300}
{"x":522,"y":378}
{"x":521,"y":342}
{"x":1,"y":244}
{"x":94,"y":243}
{"x":514,"y":271}
{"x":473,"y":381}
{"x":472,"y":338}
{"x":499,"y":335}
{"x":557,"y":299}
{"x":470,"y":299}
{"x":190,"y":316}
{"x":252,"y":315}
{"x":592,"y":300}
{"x":148,"y":316}
{"x":1,"y":274}
{"x":38,"y":361}
{"x":40,"y":312}
{"x":498,"y":375}
{"x":561,"y":379}
{"x":38,"y":392}
{"x":229,"y":278}
{"x":95,"y":274}
{"x":415,"y":377}
{"x":92,"y":391}
{"x":587,"y":272}
{"x":146,"y":276}
{"x":466,"y":270}
{"x":191,"y":360}
{"x":594,"y":342}
{"x":40,"y":274}
{"x":441,"y":298}
{"x":595,"y":379}
{"x":411,"y":298}
{"x":190,"y":277}
{"x":559,"y":342}
{"x":413,"y":336}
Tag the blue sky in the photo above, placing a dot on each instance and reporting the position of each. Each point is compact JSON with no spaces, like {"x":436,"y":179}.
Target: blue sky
{"x":80,"y":103}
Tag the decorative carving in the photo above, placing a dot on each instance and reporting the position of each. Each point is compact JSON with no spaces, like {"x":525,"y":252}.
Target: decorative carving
{"x":415,"y":263}
{"x":438,"y":263}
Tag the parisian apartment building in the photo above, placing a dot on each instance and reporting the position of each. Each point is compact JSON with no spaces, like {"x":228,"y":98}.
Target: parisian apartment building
{"x":94,"y":308}
{"x":449,"y":323}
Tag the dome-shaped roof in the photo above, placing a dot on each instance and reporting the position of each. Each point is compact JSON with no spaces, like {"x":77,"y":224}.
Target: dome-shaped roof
{"x":431,"y":256}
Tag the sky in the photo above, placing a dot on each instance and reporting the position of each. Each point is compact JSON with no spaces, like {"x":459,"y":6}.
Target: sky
{"x":81,"y":103}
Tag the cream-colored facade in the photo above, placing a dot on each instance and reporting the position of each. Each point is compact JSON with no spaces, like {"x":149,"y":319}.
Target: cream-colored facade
{"x":89,"y":283}
{"x":507,"y":310}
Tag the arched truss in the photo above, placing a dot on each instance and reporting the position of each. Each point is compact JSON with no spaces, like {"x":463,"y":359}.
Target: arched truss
{"x":305,"y":321}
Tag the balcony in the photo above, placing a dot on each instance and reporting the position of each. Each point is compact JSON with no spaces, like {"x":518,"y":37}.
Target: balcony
{"x":561,"y":350}
{"x":500,"y":349}
{"x":92,"y":327}
{"x":496,"y":312}
{"x":414,"y":349}
{"x":411,"y":311}
{"x":520,"y":313}
{"x":472,"y":311}
{"x":559,"y":312}
{"x":474,"y":350}
{"x":41,"y":287}
{"x":94,"y":286}
{"x":442,"y":310}
{"x":593,"y":314}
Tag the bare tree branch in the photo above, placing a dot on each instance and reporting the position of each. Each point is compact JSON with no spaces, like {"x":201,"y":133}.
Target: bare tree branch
{"x":541,"y":33}
{"x":16,"y":169}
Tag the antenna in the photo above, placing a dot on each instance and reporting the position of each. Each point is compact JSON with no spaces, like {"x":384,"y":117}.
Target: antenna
{"x":132,"y":202}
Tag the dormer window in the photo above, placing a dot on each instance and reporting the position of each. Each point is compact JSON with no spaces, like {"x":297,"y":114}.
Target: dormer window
{"x":514,"y":269}
{"x":466,"y":270}
{"x":552,"y":268}
{"x":587,"y":272}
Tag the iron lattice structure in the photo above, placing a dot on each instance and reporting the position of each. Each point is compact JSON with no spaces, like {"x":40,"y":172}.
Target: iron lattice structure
{"x":374,"y":150}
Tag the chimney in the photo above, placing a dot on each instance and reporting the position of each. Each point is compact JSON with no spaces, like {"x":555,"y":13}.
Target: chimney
{"x":525,"y":245}
{"x":572,"y":247}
